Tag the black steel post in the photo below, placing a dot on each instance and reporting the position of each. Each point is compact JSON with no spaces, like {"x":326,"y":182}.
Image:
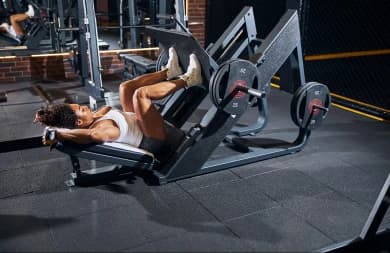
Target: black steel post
{"x":82,"y":43}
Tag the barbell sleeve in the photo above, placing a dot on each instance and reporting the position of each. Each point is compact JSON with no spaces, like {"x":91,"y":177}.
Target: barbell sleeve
{"x":251,"y":91}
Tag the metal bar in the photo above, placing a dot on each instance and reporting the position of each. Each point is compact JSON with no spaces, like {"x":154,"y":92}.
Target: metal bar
{"x":361,"y":109}
{"x":251,"y":91}
{"x":180,"y":14}
{"x":21,"y":144}
{"x":121,"y":35}
{"x":377,"y":212}
{"x":116,"y":27}
{"x":134,"y":26}
{"x":255,"y":155}
{"x":225,"y":39}
{"x":82,"y":44}
{"x":95,"y":86}
{"x":60,"y":21}
{"x":132,"y":22}
{"x":292,"y":74}
{"x":75,"y":29}
{"x":277,"y":46}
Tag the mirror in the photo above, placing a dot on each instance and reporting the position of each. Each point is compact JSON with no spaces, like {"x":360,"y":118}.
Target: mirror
{"x":52,"y":26}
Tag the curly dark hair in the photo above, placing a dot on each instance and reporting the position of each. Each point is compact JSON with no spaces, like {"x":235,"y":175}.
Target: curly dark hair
{"x":57,"y":115}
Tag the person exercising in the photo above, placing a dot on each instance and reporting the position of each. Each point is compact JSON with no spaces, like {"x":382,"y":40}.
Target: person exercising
{"x":138,"y":124}
{"x":14,"y":29}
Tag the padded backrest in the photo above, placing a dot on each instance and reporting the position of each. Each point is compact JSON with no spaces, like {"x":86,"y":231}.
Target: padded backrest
{"x":116,"y":150}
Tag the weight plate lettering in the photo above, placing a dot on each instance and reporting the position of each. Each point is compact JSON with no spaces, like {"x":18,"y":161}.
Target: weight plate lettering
{"x":310,"y":105}
{"x":224,"y":82}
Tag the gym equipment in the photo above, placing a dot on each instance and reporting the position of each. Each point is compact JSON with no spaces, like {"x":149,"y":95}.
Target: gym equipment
{"x":7,"y":41}
{"x":21,"y":144}
{"x":136,"y":65}
{"x":369,"y":240}
{"x":135,"y":16}
{"x":307,"y":102}
{"x":231,"y":82}
{"x":89,"y":64}
{"x":37,"y":89}
{"x":238,"y":40}
{"x":37,"y":29}
{"x":230,"y":86}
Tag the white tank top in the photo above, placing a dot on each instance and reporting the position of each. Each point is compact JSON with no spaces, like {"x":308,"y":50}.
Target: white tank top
{"x":130,"y":132}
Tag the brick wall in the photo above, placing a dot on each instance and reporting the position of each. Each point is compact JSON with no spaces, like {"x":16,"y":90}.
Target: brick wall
{"x":197,"y":19}
{"x":59,"y":66}
{"x":13,"y":69}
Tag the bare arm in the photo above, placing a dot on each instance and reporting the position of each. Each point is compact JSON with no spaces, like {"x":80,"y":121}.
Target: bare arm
{"x":106,"y":130}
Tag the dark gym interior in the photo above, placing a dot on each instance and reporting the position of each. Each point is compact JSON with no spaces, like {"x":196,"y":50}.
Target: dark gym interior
{"x":283,"y":147}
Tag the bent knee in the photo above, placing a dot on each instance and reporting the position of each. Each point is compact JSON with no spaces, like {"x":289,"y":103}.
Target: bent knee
{"x":141,"y":93}
{"x":127,"y":86}
{"x":123,"y":87}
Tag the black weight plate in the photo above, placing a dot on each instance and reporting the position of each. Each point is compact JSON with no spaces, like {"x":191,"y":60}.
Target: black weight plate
{"x":304,"y":101}
{"x":224,"y":82}
{"x":294,"y":101}
{"x":215,"y":81}
{"x":299,"y":113}
{"x":318,"y":97}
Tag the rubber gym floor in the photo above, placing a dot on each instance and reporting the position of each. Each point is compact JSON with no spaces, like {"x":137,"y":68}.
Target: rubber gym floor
{"x":299,"y":202}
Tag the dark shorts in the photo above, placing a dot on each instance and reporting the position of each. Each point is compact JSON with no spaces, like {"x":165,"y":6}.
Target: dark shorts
{"x":164,"y":148}
{"x":150,"y":144}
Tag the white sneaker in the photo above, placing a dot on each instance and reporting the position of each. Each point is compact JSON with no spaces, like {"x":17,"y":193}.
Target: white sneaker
{"x":173,"y":65}
{"x":10,"y":33}
{"x":193,"y":76}
{"x":30,"y":12}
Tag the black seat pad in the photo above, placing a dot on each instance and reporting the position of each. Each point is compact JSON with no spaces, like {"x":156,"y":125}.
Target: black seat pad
{"x":119,"y":151}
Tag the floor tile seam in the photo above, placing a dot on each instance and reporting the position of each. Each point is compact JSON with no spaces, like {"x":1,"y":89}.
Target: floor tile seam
{"x":50,"y":160}
{"x":25,"y":166}
{"x":298,"y":216}
{"x":17,"y":195}
{"x":308,"y":222}
{"x":12,"y":168}
{"x":210,"y":185}
{"x":323,"y":184}
{"x":341,"y":193}
{"x":276,"y":200}
{"x":280,"y":204}
{"x":82,"y":214}
{"x":359,"y":167}
{"x":264,"y":173}
{"x":209,"y":211}
{"x":146,"y":242}
{"x":251,"y":213}
{"x":85,"y":214}
{"x":20,"y":195}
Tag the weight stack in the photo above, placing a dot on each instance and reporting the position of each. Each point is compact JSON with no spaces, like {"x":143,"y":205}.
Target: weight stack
{"x":346,"y":45}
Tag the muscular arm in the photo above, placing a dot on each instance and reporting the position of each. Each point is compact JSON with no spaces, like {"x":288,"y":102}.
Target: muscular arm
{"x":106,"y":130}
